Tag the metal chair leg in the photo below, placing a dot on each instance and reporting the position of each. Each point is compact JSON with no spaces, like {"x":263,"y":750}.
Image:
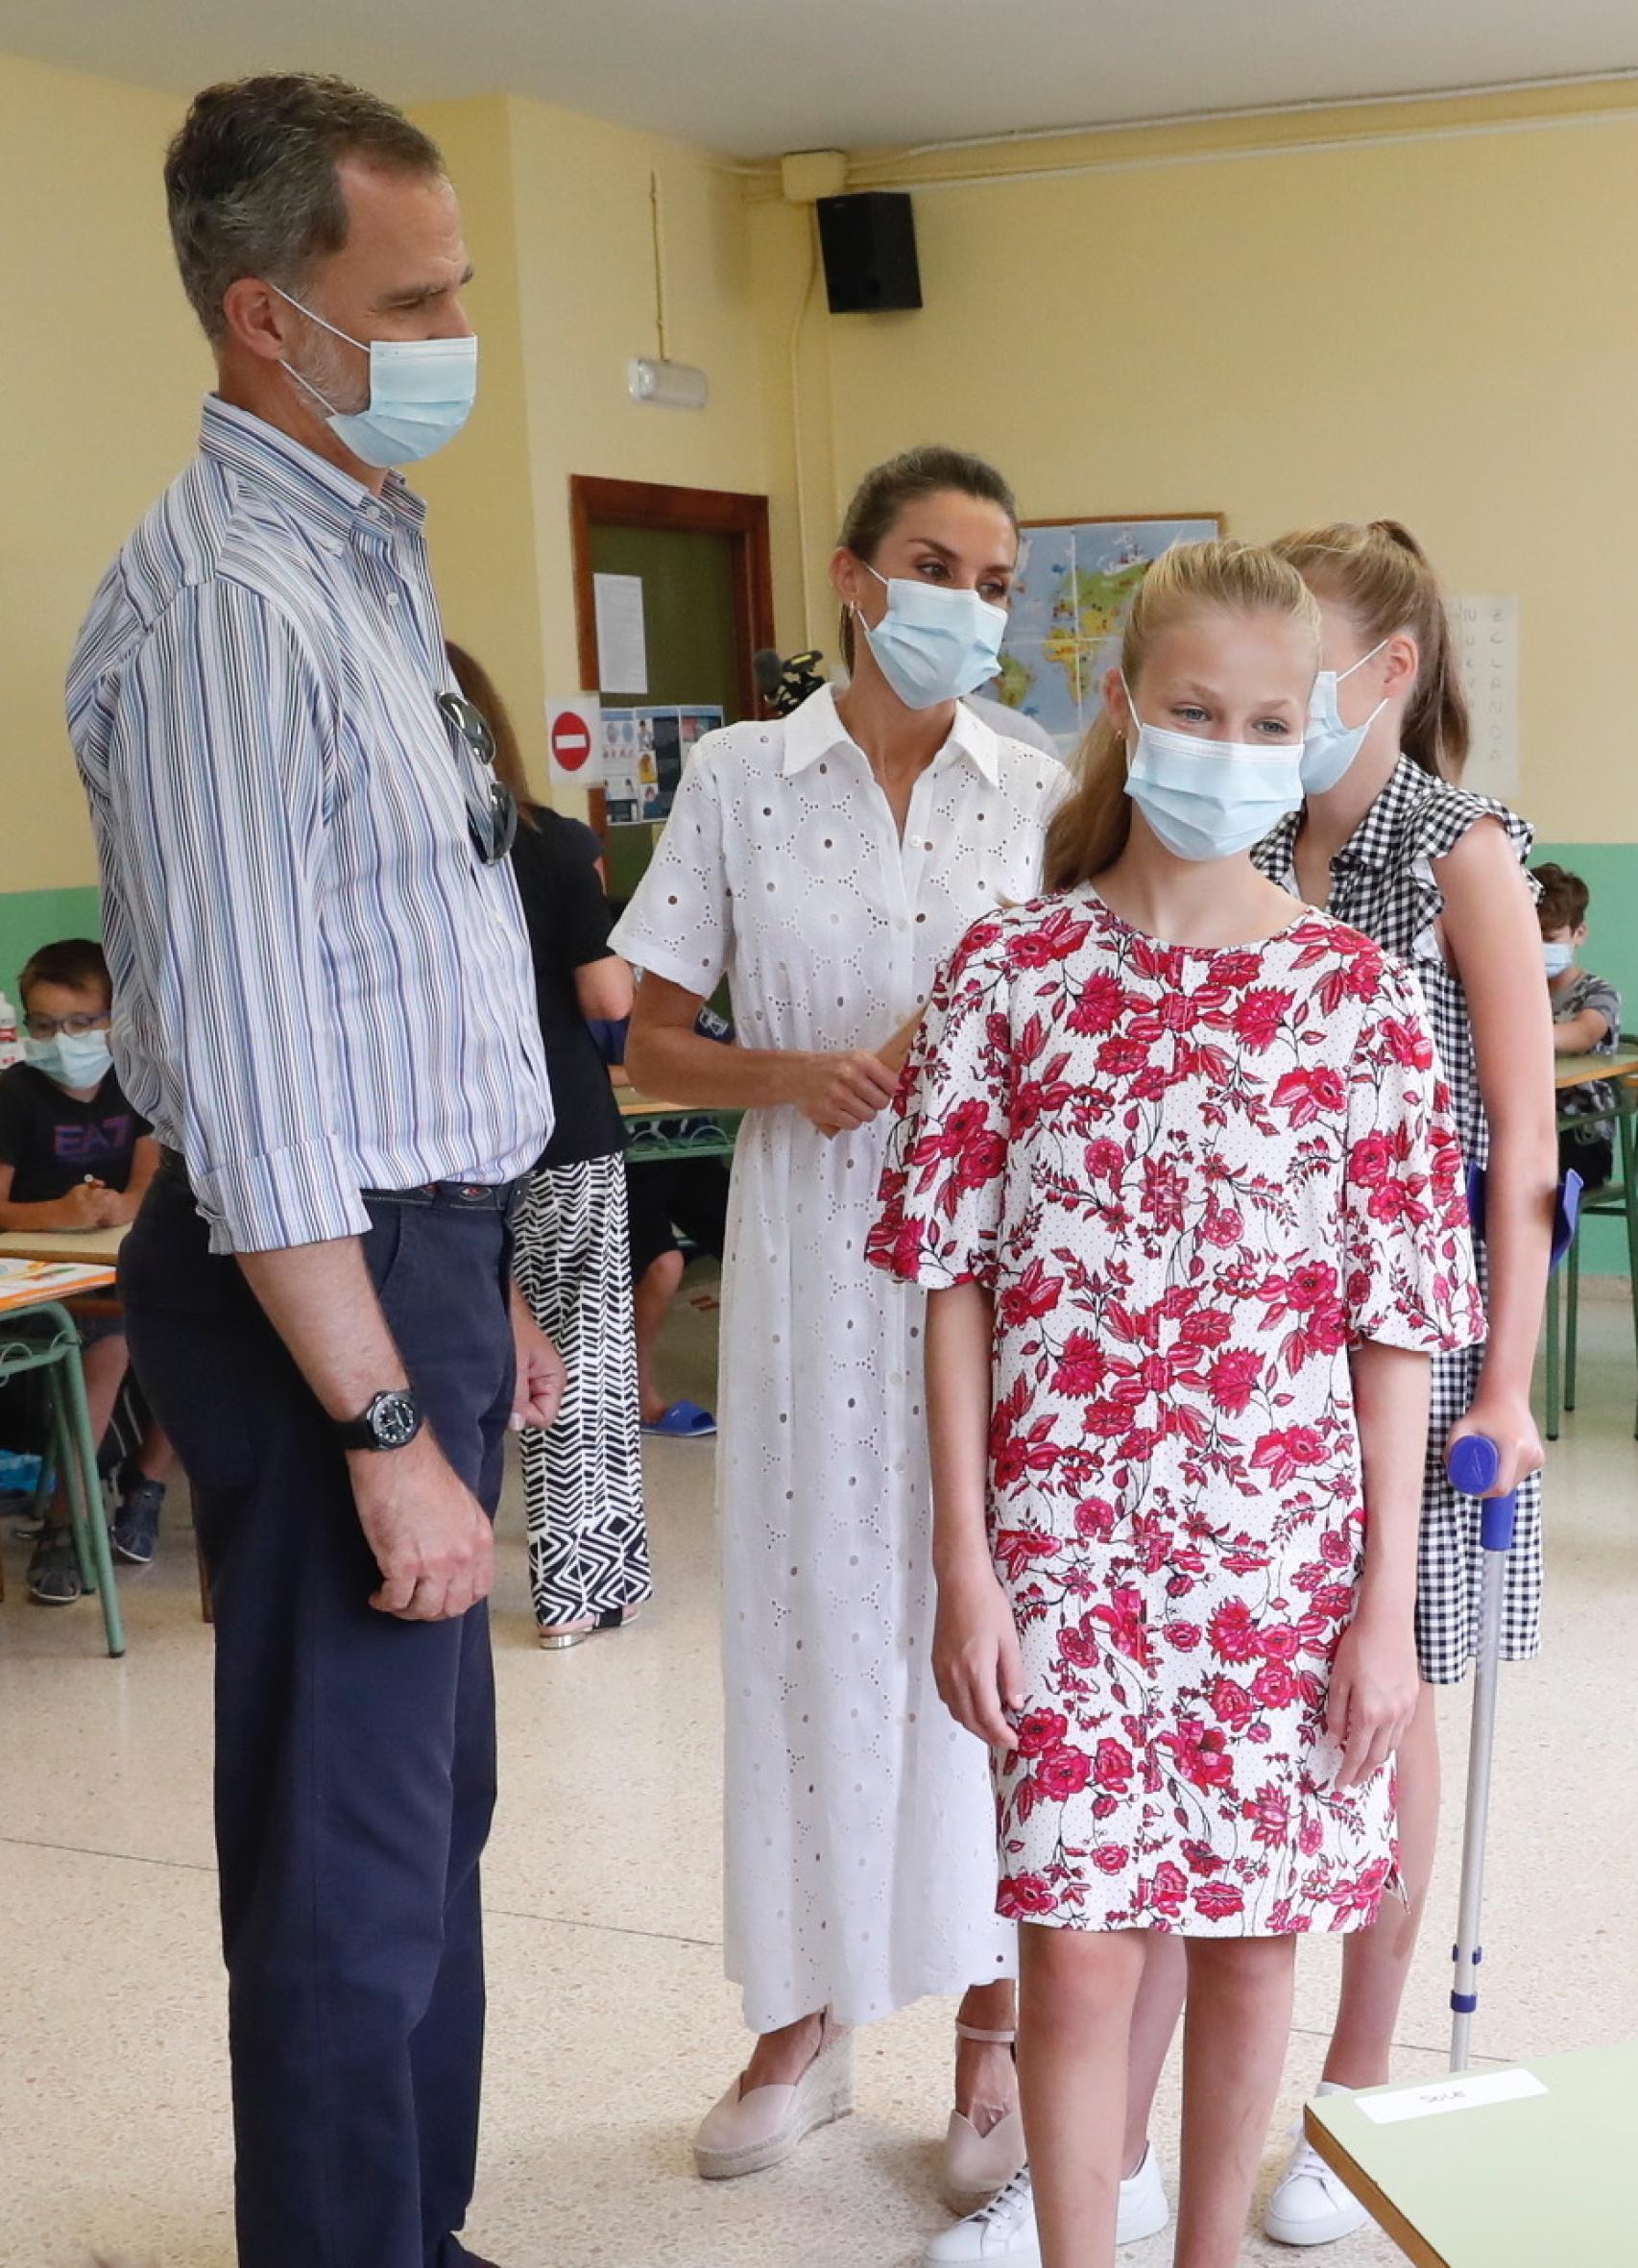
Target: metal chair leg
{"x":68,"y":1464}
{"x":80,"y":1459}
{"x":1629,"y":1187}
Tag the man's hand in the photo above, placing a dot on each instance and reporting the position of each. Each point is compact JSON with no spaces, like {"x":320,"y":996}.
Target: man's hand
{"x":541,"y":1378}
{"x":426,"y":1530}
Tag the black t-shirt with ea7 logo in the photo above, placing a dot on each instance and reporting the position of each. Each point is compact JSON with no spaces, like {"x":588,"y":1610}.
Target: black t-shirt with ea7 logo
{"x":51,"y":1140}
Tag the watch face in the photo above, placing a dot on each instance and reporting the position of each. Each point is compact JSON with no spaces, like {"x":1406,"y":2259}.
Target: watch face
{"x":394,"y":1419}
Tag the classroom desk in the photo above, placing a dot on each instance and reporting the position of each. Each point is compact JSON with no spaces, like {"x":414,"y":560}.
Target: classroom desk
{"x":23,"y":1300}
{"x":92,"y":1246}
{"x":1500,"y":2185}
{"x":653,"y":1127}
{"x":1576,"y":1071}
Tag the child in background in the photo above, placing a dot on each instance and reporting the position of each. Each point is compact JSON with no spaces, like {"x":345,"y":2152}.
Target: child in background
{"x":1193,"y":1220}
{"x":74,"y":1157}
{"x":1586,"y":1021}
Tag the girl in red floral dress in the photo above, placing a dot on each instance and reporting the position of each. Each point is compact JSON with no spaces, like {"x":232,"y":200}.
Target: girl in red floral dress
{"x":1193,"y":1219}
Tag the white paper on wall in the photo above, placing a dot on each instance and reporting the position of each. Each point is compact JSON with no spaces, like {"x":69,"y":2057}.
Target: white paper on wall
{"x":1487,"y":652}
{"x":622,"y":644}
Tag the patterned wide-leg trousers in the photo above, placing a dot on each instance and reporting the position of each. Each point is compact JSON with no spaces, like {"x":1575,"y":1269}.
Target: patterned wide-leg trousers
{"x":583,"y":1476}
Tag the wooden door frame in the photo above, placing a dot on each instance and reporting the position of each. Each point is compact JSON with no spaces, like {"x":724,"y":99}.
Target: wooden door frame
{"x":593,"y":502}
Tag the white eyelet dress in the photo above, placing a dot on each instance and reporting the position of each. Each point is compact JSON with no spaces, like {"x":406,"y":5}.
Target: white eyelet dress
{"x":1385,"y":881}
{"x":859,"y":1821}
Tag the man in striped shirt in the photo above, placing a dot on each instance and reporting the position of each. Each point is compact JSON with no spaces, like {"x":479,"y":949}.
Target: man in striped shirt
{"x":324,"y":1005}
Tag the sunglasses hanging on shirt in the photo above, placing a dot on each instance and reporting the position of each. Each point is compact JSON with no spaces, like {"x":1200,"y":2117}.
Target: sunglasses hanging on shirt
{"x":492,"y":810}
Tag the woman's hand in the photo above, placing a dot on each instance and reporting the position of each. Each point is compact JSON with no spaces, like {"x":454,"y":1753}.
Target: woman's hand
{"x":542,"y":1378}
{"x":976,"y":1658}
{"x":1504,"y":1419}
{"x":1374,"y":1690}
{"x":839,"y":1093}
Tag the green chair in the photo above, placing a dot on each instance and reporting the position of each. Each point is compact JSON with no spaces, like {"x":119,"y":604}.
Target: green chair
{"x":1617,"y":1199}
{"x":47,"y":1338}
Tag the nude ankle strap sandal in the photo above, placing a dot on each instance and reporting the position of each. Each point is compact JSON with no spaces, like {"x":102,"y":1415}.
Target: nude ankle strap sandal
{"x":977,"y":2166}
{"x":744,"y":2132}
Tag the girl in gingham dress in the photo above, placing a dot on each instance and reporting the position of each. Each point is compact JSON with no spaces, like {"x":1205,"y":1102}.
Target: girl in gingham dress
{"x":1389,"y":843}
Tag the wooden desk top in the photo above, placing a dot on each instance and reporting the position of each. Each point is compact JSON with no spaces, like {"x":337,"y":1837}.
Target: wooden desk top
{"x":91,"y":1245}
{"x":1576,"y":1071}
{"x":633,"y":1105}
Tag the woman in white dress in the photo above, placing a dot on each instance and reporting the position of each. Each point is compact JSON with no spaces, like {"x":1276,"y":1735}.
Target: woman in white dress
{"x":828,"y":863}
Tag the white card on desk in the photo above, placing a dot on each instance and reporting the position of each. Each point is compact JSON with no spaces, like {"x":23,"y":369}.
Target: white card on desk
{"x":1462,"y":2091}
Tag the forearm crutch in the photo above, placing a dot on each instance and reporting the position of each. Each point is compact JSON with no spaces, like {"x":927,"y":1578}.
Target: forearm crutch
{"x":1472,"y":1465}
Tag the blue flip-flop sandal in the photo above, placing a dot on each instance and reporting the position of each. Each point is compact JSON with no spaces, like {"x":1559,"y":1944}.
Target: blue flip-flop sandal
{"x":683,"y":1421}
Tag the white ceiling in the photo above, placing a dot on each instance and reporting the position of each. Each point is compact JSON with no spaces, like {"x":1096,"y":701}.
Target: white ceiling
{"x":754,"y":77}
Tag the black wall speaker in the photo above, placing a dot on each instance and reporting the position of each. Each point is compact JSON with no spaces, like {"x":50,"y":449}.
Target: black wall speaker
{"x":869,"y":244}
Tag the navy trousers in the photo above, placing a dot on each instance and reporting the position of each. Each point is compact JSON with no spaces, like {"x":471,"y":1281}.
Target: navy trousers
{"x":354,"y":1752}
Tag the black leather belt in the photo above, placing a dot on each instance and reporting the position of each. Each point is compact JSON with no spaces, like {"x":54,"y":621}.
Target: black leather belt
{"x":455,"y":1197}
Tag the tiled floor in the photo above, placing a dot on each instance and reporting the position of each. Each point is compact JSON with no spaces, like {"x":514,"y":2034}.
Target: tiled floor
{"x":612,"y":2027}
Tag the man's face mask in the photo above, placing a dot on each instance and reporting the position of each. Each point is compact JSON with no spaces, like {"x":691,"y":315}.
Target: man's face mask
{"x":422,"y":393}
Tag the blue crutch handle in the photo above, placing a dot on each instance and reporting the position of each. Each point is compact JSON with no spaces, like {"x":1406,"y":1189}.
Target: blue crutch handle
{"x":1473,"y":1463}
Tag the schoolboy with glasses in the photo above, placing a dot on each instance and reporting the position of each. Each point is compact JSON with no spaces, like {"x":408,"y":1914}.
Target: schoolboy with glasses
{"x":74,"y":1157}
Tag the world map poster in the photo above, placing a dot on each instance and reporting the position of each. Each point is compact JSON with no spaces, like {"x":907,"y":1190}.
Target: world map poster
{"x":1074,"y":583}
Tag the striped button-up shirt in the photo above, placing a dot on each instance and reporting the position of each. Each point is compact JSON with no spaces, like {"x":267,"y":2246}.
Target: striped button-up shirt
{"x":318,"y":987}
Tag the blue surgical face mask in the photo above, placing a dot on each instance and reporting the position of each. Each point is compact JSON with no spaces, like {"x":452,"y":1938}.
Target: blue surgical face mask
{"x":73,"y":1059}
{"x":422,"y":393}
{"x":1557,"y":958}
{"x":1329,"y":745}
{"x":1208,"y":799}
{"x":934,"y":645}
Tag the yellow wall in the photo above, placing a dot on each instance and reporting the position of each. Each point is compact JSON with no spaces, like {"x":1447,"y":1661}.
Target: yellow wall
{"x":1442,"y":324}
{"x":558,"y":220}
{"x":479,"y":490}
{"x":100,"y":385}
{"x":100,"y":390}
{"x":1443,"y":330}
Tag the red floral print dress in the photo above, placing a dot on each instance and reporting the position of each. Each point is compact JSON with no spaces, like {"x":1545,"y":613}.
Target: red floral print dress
{"x":1192,"y":1180}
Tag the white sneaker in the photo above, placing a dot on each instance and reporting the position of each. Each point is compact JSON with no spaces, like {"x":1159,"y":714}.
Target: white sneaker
{"x":1310,"y":2205}
{"x":1004,"y":2228}
{"x":1143,"y":2209}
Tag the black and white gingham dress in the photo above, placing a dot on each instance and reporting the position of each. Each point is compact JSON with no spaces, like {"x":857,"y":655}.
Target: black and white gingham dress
{"x":1385,"y":881}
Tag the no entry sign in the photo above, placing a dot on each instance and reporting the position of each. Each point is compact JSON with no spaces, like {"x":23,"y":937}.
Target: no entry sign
{"x":574,"y":733}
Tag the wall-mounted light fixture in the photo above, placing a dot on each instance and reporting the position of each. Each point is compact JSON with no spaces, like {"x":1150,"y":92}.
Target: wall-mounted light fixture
{"x":674,"y":385}
{"x":656,"y":378}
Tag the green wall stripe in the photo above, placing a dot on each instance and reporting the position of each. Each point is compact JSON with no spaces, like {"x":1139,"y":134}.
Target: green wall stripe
{"x":31,"y":918}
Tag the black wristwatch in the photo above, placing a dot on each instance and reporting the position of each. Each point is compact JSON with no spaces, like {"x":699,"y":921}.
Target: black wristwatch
{"x":391,"y":1421}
